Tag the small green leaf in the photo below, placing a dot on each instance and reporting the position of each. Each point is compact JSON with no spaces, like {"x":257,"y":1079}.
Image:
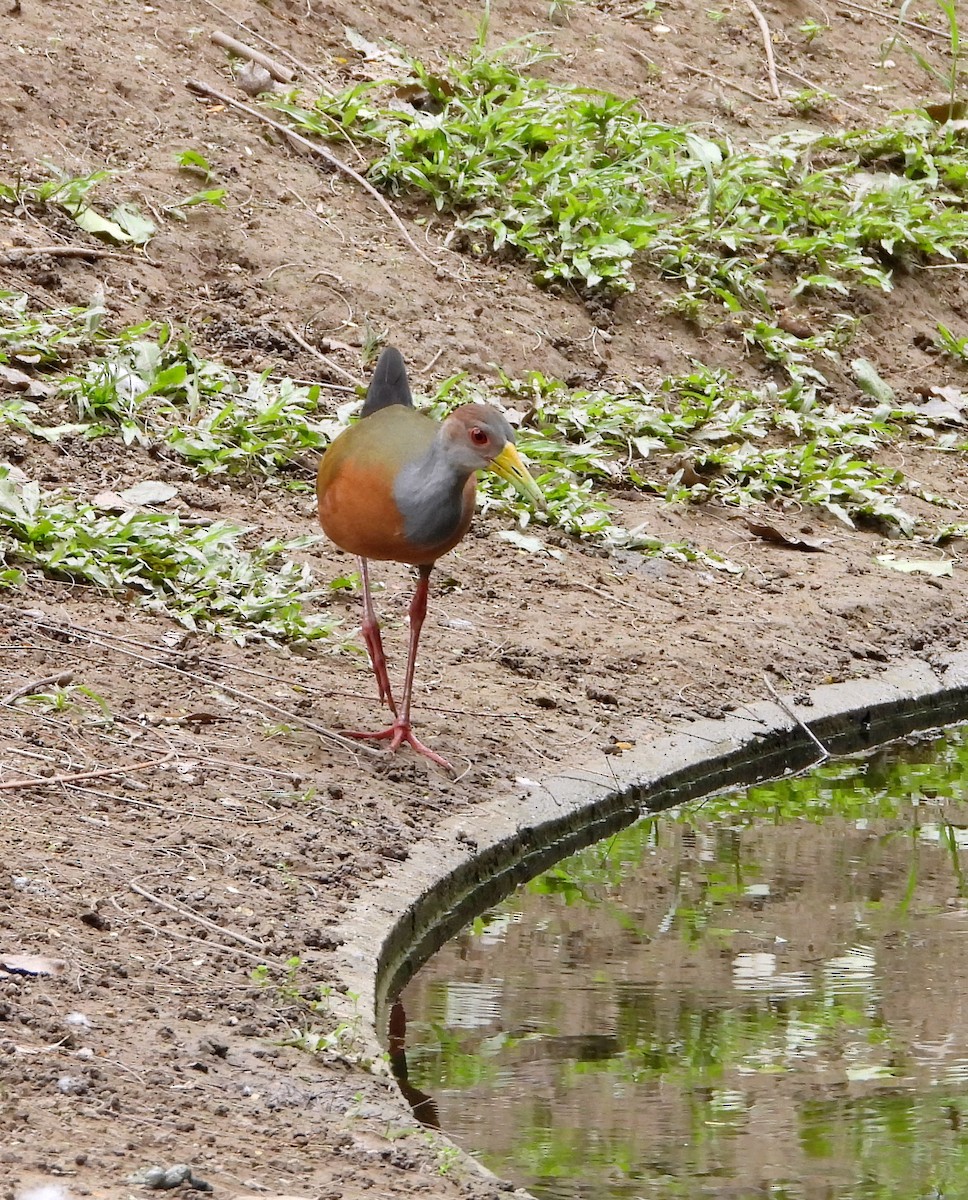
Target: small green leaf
{"x":870,"y":382}
{"x":91,"y":221}
{"x":192,"y":160}
{"x":215,"y":196}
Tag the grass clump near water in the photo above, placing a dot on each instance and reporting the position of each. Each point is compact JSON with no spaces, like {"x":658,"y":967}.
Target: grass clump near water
{"x":697,"y":438}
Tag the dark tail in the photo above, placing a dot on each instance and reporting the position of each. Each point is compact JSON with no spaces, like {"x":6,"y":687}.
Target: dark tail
{"x":389,"y":383}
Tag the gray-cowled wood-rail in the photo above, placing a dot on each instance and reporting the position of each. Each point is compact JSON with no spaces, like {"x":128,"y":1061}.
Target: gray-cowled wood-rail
{"x":400,"y":486}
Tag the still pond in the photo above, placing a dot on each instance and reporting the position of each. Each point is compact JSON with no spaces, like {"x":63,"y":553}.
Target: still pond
{"x":762,"y":994}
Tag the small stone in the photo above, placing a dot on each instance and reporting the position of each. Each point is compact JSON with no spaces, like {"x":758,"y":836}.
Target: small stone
{"x":70,"y":1085}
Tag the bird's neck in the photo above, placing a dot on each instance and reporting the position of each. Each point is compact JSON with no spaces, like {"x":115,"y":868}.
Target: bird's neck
{"x":430,"y":496}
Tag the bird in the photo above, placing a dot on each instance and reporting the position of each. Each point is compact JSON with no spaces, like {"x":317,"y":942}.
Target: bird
{"x":399,"y":486}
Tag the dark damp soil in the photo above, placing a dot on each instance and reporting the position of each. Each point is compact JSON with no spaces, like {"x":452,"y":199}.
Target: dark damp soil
{"x":158,"y":1042}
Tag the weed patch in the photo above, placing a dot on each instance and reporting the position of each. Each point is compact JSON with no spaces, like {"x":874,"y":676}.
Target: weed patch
{"x":196,"y":573}
{"x":589,"y":191}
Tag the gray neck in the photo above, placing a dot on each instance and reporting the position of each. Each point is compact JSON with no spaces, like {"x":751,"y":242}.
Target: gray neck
{"x":429,"y":495}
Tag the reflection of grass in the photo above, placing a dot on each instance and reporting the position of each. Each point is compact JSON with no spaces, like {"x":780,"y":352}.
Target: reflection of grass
{"x":883,"y":784}
{"x":709,"y":1049}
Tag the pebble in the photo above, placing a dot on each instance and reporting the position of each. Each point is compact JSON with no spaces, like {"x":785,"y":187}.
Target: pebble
{"x":163,"y":1179}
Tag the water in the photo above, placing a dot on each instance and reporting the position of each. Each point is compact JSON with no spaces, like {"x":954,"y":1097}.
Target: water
{"x":760,"y":995}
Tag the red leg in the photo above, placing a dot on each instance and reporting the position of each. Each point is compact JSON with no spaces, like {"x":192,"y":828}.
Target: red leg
{"x":374,"y":643}
{"x":400,"y":731}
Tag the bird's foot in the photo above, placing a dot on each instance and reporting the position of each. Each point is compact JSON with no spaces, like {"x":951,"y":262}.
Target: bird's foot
{"x":397,"y":734}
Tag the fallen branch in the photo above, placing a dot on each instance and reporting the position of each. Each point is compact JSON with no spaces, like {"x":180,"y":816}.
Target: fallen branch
{"x":241,"y":50}
{"x":80,"y":777}
{"x":60,"y":679}
{"x":12,"y":253}
{"x":203,"y":89}
{"x":767,"y":46}
{"x":193,"y":916}
{"x":318,"y":354}
{"x":793,"y":717}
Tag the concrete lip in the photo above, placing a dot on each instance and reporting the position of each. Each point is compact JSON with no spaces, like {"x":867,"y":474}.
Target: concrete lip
{"x":478,"y":857}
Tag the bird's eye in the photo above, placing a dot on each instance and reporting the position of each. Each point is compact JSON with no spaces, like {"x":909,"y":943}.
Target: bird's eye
{"x":479,"y":437}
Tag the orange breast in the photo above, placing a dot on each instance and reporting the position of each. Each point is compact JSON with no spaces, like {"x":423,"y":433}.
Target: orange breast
{"x":358,"y":512}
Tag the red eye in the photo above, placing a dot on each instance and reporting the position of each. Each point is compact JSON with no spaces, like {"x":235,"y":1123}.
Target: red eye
{"x":479,"y":437}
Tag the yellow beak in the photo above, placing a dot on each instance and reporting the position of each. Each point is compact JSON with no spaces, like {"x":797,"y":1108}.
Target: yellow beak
{"x":509,"y":466}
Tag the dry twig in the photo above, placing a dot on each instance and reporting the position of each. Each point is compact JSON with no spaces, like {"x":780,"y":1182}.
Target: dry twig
{"x":793,"y":717}
{"x":767,"y":46}
{"x":203,"y":89}
{"x":730,"y":83}
{"x":78,"y":777}
{"x":304,"y":70}
{"x":259,"y":959}
{"x":193,"y":916}
{"x":819,"y":87}
{"x":13,"y":253}
{"x":604,"y":595}
{"x":891,"y":19}
{"x":94,"y":638}
{"x":241,"y":50}
{"x":59,"y":679}
{"x":310,"y":349}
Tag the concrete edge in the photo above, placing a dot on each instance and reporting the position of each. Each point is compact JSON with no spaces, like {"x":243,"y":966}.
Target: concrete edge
{"x":477,"y":857}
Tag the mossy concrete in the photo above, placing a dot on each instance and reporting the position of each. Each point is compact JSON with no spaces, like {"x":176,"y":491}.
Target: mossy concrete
{"x":474,"y":860}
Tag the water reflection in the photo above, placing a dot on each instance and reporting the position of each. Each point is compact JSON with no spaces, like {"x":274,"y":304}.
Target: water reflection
{"x":764,"y":994}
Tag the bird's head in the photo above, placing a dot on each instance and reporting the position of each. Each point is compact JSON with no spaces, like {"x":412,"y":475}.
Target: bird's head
{"x":478,"y":437}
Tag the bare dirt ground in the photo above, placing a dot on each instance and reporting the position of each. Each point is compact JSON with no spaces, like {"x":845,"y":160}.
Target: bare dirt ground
{"x":156,"y":1045}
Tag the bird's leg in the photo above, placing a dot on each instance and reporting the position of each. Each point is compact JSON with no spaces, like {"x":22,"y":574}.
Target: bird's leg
{"x":374,"y":643}
{"x":400,"y":731}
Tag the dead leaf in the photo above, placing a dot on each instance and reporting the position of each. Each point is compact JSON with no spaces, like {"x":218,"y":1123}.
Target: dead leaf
{"x":945,"y":404}
{"x":16,"y":379}
{"x":31,"y":964}
{"x":770,"y":533}
{"x":533,"y":545}
{"x":791,"y":322}
{"x":937,"y":567}
{"x":947,"y":111}
{"x":371,"y":51}
{"x":109,"y":502}
{"x":149,"y":491}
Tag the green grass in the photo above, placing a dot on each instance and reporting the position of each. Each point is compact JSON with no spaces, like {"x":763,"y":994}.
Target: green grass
{"x":196,"y":573}
{"x":696,"y":439}
{"x":125,"y":224}
{"x":152,"y":389}
{"x":158,"y":389}
{"x":578,"y":183}
{"x":731,"y":444}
